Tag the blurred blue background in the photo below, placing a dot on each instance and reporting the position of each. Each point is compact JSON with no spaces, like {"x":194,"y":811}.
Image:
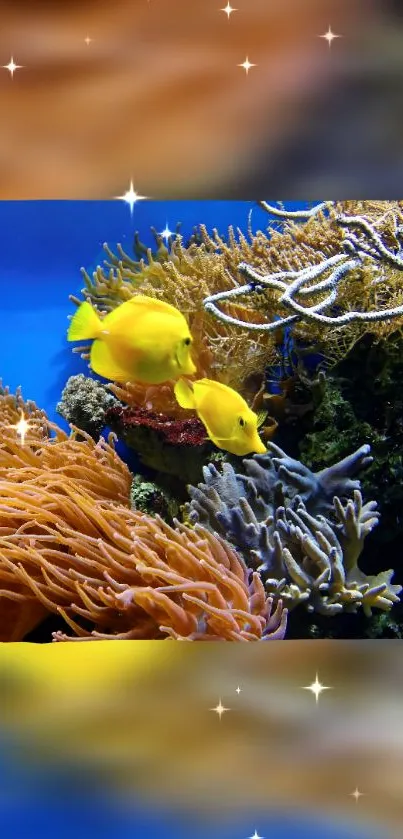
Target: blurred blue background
{"x":52,"y":805}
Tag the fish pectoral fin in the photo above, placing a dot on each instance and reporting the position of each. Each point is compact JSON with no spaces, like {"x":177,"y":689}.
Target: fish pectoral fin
{"x":220,"y":442}
{"x":184,"y":394}
{"x":103,"y":363}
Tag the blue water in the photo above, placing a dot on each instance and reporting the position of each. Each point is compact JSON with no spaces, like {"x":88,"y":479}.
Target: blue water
{"x":43,"y":245}
{"x":37,"y":805}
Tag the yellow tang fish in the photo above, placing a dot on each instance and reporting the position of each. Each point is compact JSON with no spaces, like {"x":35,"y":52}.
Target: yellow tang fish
{"x":142,"y":340}
{"x":227,"y":418}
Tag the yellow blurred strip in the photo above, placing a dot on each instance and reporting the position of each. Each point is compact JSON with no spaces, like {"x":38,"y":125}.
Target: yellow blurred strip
{"x":87,"y":664}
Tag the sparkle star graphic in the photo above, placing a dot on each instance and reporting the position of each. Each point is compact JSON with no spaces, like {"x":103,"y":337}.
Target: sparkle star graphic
{"x":11,"y":67}
{"x":238,"y":690}
{"x":316,"y":688}
{"x":255,"y":836}
{"x":131,"y":197}
{"x":246,"y":65}
{"x":219,"y":709}
{"x":166,"y":233}
{"x":356,"y":794}
{"x":88,"y":40}
{"x":329,"y":36}
{"x":21,"y":427}
{"x":228,"y":10}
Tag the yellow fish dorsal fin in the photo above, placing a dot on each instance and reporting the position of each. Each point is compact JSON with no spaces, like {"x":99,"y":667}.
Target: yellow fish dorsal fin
{"x":153,"y":304}
{"x":233,"y":400}
{"x":123,"y":319}
{"x":103,"y":363}
{"x":213,"y":385}
{"x":184,"y":394}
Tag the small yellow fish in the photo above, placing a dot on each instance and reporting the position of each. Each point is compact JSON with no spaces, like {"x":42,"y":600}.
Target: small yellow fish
{"x":227,"y":418}
{"x":142,"y":340}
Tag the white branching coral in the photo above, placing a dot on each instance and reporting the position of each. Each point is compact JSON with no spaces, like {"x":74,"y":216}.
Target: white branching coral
{"x":362,"y":248}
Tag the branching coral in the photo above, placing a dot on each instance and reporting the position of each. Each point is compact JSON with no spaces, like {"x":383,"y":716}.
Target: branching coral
{"x":341,"y":268}
{"x":70,"y":545}
{"x":353,"y":245}
{"x":362,"y":401}
{"x":301,"y":530}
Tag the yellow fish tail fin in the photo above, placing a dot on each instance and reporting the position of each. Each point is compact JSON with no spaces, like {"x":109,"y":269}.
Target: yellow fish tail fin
{"x":85,"y":325}
{"x":103,"y":363}
{"x":184,"y":394}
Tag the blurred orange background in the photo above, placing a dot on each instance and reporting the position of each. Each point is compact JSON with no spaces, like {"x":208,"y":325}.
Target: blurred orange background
{"x":156,"y":96}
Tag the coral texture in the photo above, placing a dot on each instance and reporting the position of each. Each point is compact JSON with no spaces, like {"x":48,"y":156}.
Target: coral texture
{"x":84,"y":404}
{"x":356,"y":244}
{"x":30,"y":475}
{"x":158,"y":398}
{"x":70,"y":545}
{"x":178,"y":447}
{"x":303,"y":531}
{"x":184,"y":276}
{"x":359,"y":243}
{"x":362,"y":402}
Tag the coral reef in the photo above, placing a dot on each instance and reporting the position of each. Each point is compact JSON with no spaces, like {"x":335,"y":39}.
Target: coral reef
{"x":50,"y":456}
{"x":184,"y":276}
{"x":158,"y":398}
{"x":356,"y":244}
{"x":84,"y":404}
{"x":337,"y":265}
{"x":30,"y":474}
{"x":111,"y":572}
{"x":71,"y":546}
{"x":303,"y":531}
{"x":147,"y":496}
{"x":362,"y":401}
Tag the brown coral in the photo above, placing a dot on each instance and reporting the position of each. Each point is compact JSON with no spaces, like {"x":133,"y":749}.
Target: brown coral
{"x":366,"y":288}
{"x":70,"y":545}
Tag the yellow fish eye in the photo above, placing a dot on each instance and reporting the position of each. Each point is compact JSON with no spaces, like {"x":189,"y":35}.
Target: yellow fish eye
{"x":242,"y":422}
{"x":187,"y":341}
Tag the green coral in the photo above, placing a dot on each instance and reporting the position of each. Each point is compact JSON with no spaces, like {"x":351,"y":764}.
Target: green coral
{"x":362,"y":402}
{"x":149,"y":497}
{"x":336,"y":429}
